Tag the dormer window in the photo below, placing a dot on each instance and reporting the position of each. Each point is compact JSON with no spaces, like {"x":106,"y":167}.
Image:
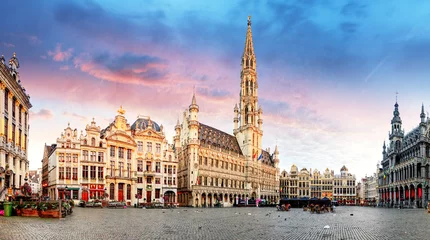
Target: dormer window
{"x":93,"y":142}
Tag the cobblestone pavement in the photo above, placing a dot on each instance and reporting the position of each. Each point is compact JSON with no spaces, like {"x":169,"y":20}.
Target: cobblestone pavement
{"x":222,"y":223}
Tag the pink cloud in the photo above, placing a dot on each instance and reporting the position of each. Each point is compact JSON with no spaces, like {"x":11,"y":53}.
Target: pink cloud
{"x":43,"y":114}
{"x":128,"y":68}
{"x":60,"y":56}
{"x":8,"y":45}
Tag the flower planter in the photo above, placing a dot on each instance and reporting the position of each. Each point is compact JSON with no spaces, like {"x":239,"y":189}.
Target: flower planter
{"x":50,"y":214}
{"x":29,"y":213}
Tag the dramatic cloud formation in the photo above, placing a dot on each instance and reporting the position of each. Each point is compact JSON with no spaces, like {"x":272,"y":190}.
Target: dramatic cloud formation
{"x":327,"y":70}
{"x":127,"y":68}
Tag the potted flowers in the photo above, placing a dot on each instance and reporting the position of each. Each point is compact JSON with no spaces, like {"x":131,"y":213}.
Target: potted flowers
{"x":49,"y":210}
{"x":30,"y":209}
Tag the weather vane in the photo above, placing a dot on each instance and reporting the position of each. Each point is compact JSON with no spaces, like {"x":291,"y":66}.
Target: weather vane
{"x":249,"y":20}
{"x":396,"y":95}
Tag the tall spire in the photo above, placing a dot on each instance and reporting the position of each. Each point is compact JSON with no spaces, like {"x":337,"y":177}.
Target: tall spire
{"x":422,"y":115}
{"x":193,"y":101}
{"x":249,"y":46}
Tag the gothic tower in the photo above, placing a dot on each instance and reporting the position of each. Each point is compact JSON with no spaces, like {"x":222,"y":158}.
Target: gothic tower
{"x":248,"y":117}
{"x":396,"y":135}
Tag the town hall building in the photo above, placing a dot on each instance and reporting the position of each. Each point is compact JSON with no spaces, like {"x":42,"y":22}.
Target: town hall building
{"x":219,"y":168}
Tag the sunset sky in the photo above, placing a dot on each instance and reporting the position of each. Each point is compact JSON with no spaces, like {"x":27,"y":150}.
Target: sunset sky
{"x":328,"y":71}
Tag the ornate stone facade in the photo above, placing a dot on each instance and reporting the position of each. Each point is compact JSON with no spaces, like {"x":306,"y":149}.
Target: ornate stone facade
{"x":216,"y":167}
{"x":14,"y":131}
{"x":313,"y":184}
{"x":122,"y":162}
{"x":403,"y":178}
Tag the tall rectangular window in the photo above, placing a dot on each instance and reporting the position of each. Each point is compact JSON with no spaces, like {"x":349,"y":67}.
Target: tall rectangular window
{"x":139,"y":180}
{"x":61,"y":172}
{"x":61,"y":157}
{"x":148,"y":166}
{"x":112,"y":168}
{"x":20,"y":112}
{"x":19,"y":137}
{"x":158,"y":148}
{"x":6,"y":129}
{"x":128,"y":154}
{"x":140,"y":166}
{"x":68,"y":173}
{"x":121,"y":152}
{"x":93,"y":156}
{"x":112,"y":151}
{"x":6,"y":100}
{"x":100,"y":159}
{"x":75,"y":173}
{"x":68,"y":157}
{"x":85,"y":155}
{"x":13,"y":133}
{"x":13,"y":108}
{"x":128,"y":170}
{"x":140,"y":146}
{"x":149,"y":146}
{"x":85,"y":172}
{"x":121,"y":168}
{"x":75,"y":158}
{"x":157,"y":167}
{"x":100,"y":173}
{"x":157,"y":193}
{"x":93,"y":172}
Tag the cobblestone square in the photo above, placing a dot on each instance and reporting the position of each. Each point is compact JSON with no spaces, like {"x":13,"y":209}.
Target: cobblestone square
{"x":222,"y":223}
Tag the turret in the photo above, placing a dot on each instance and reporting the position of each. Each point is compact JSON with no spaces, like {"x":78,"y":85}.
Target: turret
{"x":384,"y":152}
{"x":236,"y":117}
{"x":397,"y":133}
{"x":422,"y":115}
{"x":276,"y":156}
{"x":260,"y":118}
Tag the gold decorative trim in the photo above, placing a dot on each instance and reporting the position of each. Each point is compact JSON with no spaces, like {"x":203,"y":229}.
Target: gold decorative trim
{"x":10,"y":95}
{"x":3,"y":86}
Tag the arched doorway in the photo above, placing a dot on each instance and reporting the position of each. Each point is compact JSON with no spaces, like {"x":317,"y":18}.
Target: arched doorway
{"x":419,"y":195}
{"x":210,"y":200}
{"x":203,"y":199}
{"x":169,"y":197}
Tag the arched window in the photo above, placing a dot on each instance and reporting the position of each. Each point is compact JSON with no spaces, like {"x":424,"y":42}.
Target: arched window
{"x":170,"y":158}
{"x":101,"y":144}
{"x":93,"y":142}
{"x":85,"y":142}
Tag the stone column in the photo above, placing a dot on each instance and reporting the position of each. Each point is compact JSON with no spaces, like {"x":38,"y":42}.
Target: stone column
{"x":416,"y":197}
{"x":409,"y":200}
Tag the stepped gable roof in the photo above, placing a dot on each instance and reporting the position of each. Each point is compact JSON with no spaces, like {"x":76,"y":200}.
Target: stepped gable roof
{"x":344,"y":168}
{"x":143,"y":123}
{"x":214,"y":137}
{"x":267,"y":158}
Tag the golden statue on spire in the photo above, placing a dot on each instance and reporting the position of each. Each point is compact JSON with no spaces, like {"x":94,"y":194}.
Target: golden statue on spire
{"x":121,"y":110}
{"x":249,"y":20}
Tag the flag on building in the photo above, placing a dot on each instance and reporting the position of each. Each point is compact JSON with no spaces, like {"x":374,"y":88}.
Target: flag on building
{"x":255,"y":154}
{"x":261,"y":156}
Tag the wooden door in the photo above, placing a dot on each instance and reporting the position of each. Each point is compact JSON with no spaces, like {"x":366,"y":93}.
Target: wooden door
{"x":148,"y":196}
{"x":85,"y":196}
